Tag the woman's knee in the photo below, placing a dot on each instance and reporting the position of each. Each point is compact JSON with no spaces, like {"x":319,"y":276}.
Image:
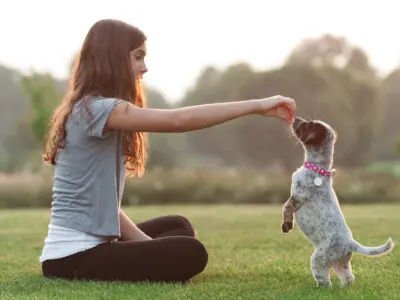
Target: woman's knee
{"x":184,"y":225}
{"x":198,"y":255}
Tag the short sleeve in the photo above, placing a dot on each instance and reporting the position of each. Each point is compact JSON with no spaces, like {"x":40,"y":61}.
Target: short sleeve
{"x":100,"y":109}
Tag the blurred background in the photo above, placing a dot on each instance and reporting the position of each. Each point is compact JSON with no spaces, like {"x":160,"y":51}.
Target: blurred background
{"x":339,"y":60}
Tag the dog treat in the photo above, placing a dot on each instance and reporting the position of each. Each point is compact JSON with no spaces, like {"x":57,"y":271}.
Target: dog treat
{"x":287,"y":110}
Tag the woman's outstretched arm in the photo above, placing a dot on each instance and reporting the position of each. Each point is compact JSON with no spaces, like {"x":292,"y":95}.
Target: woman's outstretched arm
{"x":126,"y":116}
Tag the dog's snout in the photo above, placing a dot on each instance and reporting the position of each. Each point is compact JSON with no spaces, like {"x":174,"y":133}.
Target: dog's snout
{"x":297,"y":122}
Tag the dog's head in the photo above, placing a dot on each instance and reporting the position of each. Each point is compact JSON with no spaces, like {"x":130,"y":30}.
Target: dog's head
{"x":314,"y":133}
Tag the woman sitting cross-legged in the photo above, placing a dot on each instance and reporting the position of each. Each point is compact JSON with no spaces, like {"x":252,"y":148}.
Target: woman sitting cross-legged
{"x":97,"y":138}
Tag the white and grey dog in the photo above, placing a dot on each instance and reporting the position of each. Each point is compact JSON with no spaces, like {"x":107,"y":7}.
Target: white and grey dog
{"x":314,"y":204}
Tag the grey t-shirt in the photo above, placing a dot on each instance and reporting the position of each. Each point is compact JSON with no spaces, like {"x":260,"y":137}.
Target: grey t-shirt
{"x":89,"y":174}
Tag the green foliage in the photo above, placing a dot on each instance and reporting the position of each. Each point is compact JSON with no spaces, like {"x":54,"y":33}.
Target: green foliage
{"x":12,"y":106}
{"x":249,"y":258}
{"x":330,"y":79}
{"x":164,"y":149}
{"x":398,"y":147}
{"x":44,"y":97}
{"x":345,"y":98}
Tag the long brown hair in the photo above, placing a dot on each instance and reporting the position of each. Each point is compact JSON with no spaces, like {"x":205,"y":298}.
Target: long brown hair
{"x":103,"y":68}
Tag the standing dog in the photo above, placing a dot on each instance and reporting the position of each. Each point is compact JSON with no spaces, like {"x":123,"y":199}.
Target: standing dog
{"x":316,"y":208}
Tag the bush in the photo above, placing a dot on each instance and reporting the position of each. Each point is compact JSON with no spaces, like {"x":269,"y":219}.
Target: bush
{"x":207,"y":186}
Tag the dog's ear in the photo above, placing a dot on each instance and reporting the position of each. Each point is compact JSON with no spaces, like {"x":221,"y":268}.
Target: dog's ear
{"x":317,"y":135}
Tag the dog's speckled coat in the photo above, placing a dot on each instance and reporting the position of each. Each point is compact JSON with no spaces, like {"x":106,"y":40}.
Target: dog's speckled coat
{"x":317,"y":210}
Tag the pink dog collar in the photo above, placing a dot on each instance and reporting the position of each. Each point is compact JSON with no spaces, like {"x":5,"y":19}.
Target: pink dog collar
{"x":318,"y":170}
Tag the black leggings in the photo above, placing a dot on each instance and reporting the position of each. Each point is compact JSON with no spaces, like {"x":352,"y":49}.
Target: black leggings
{"x":174,"y":255}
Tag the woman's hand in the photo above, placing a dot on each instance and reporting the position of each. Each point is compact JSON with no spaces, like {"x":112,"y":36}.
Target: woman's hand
{"x":129,"y":230}
{"x":279,"y":107}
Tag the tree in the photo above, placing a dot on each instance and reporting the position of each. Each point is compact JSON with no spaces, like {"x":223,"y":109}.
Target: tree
{"x":44,"y":97}
{"x":355,"y":88}
{"x":219,"y":145}
{"x":164,"y":148}
{"x":385,"y":146}
{"x":330,"y":79}
{"x":398,"y":147}
{"x":329,"y":50}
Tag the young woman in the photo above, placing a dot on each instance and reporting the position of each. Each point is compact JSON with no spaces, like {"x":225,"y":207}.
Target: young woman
{"x":97,"y":138}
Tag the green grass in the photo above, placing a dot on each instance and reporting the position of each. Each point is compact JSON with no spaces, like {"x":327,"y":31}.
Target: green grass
{"x":249,"y":258}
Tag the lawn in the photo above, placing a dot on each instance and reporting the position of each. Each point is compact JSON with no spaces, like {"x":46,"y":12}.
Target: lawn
{"x":249,"y":258}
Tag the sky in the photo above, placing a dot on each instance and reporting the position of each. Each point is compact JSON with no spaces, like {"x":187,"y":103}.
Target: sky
{"x":186,"y":36}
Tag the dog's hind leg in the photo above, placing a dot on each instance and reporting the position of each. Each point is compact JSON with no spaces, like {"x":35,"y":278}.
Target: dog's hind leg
{"x":320,"y":269}
{"x":344,"y":271}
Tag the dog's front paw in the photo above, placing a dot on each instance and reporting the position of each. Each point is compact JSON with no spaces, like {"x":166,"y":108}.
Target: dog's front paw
{"x":287,"y":226}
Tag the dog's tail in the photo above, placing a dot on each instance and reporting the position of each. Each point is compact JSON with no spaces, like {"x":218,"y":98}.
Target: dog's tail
{"x":373,"y":251}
